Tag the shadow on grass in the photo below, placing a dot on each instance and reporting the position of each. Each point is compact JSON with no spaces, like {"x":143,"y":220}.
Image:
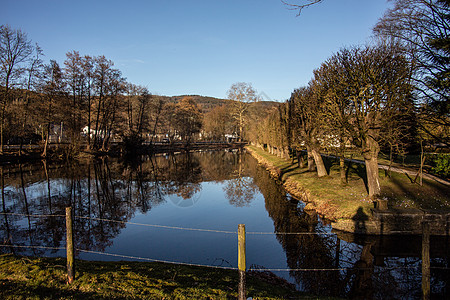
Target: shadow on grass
{"x":431,"y":195}
{"x":293,"y":169}
{"x":360,"y":219}
{"x":359,"y":170}
{"x":330,"y":162}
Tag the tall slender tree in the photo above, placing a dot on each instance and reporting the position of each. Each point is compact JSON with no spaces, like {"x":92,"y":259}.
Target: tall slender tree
{"x":53,"y":89}
{"x":309,"y":123}
{"x":15,"y":51}
{"x":75,"y":78}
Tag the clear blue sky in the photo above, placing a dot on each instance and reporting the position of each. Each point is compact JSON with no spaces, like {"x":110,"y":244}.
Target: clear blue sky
{"x":200,"y":47}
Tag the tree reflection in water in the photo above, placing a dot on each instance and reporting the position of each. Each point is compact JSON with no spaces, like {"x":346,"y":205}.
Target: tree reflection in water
{"x":240,"y":189}
{"x":370,"y":267}
{"x":105,"y":189}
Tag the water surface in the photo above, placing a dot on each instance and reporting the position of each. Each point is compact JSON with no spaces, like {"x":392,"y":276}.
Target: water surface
{"x":128,"y":211}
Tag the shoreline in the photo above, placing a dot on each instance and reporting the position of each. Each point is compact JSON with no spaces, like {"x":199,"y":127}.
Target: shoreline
{"x":293,"y":187}
{"x":355,"y":215}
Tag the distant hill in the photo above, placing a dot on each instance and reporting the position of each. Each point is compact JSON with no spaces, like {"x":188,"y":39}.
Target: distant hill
{"x":208,"y":103}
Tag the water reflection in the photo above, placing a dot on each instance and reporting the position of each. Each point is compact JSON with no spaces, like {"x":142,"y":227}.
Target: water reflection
{"x":216,"y":190}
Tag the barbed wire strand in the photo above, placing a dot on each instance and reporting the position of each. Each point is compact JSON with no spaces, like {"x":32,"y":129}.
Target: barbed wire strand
{"x":174,"y":227}
{"x":293,"y":233}
{"x":159,"y":226}
{"x":218,"y":267}
{"x":205,"y":230}
{"x":34,"y":247}
{"x":155,"y":260}
{"x":330,"y":269}
{"x":29,"y":215}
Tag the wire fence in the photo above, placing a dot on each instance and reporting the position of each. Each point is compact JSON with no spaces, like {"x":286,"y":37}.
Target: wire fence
{"x":252,"y":268}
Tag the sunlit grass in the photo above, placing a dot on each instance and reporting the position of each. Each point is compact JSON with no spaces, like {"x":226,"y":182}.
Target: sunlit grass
{"x":335,"y":200}
{"x":45,"y":278}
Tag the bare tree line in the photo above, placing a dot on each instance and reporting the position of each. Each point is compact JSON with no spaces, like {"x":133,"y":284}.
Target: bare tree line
{"x":87,"y":98}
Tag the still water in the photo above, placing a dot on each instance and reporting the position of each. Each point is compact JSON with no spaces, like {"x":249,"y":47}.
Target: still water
{"x":147,"y":210}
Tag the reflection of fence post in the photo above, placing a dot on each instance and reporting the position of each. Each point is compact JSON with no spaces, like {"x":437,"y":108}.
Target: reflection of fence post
{"x":69,"y":246}
{"x":241,"y":261}
{"x":426,"y":260}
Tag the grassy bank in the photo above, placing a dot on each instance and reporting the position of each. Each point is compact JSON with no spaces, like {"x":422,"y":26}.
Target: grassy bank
{"x":44,"y":278}
{"x":336,"y":201}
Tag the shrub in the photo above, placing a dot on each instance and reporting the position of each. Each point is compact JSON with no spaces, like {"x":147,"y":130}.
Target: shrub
{"x":442,"y":165}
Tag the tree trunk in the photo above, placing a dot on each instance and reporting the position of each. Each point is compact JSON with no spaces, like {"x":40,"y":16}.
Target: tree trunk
{"x":321,"y":170}
{"x":342,"y":169}
{"x":44,"y":153}
{"x":370,"y":154}
{"x":301,"y":160}
{"x":286,"y":153}
{"x":373,"y":182}
{"x":1,"y":127}
{"x":311,"y":166}
{"x":388,"y":172}
{"x":422,"y":161}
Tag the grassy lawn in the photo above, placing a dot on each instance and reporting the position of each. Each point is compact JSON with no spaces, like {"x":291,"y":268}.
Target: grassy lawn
{"x":45,"y":278}
{"x":336,"y":201}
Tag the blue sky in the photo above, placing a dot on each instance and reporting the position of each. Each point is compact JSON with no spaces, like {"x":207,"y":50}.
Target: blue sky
{"x":202,"y":47}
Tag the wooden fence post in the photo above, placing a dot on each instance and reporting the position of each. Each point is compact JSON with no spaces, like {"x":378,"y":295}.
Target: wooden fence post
{"x":426,"y":260}
{"x":69,"y":246}
{"x":241,"y":261}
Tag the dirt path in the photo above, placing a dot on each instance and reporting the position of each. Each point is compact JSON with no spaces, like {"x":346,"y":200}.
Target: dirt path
{"x":401,"y":170}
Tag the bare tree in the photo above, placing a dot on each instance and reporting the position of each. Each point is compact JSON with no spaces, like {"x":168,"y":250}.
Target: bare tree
{"x":75,"y":78}
{"x":217,"y":122}
{"x":53,"y":89}
{"x":188,"y":119}
{"x":335,"y":109}
{"x":15,"y":50}
{"x":137,"y":106}
{"x":422,"y":28}
{"x":372,"y":83}
{"x":88,"y":71}
{"x":33,"y":75}
{"x":309,"y":123}
{"x":241,"y":94}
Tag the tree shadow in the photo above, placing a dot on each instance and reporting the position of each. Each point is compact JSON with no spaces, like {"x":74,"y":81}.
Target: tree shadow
{"x":358,"y":169}
{"x":329,"y":162}
{"x":432,"y":195}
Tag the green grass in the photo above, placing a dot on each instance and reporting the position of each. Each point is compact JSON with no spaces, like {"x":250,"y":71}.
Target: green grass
{"x":45,"y":278}
{"x":335,"y":200}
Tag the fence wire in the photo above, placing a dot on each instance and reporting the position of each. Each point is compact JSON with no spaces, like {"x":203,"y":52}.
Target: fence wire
{"x":155,"y":260}
{"x":199,"y":230}
{"x":171,"y":227}
{"x":29,"y":215}
{"x":328,"y":269}
{"x":34,"y":247}
{"x":219,"y":267}
{"x":159,"y":226}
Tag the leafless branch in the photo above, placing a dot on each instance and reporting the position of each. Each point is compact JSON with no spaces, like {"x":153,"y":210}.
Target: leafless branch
{"x":300,"y":7}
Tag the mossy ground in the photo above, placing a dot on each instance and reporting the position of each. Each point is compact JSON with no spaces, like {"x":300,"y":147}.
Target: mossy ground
{"x":45,"y":278}
{"x":335,"y":200}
